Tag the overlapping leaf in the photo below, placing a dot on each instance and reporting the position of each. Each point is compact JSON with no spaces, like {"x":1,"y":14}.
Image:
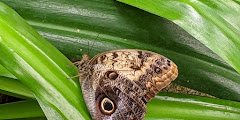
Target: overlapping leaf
{"x":71,"y":25}
{"x":39,"y":66}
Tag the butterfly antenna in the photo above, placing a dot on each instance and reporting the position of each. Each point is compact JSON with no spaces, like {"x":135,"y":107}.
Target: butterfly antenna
{"x":95,"y":40}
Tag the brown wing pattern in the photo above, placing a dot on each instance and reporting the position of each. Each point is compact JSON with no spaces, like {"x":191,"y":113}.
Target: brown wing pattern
{"x":151,"y":71}
{"x":120,"y":82}
{"x":124,"y":93}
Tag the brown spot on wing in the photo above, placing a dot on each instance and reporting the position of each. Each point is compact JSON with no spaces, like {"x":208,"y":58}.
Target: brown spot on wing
{"x":102,"y":58}
{"x":140,"y":56}
{"x":135,"y":67}
{"x":115,"y":55}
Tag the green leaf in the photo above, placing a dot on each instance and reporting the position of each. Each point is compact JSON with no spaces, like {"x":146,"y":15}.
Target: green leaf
{"x":23,"y":109}
{"x":39,"y":66}
{"x":214,"y":23}
{"x":165,"y":106}
{"x":13,"y":87}
{"x":71,"y":25}
{"x":177,"y":106}
{"x":6,"y":73}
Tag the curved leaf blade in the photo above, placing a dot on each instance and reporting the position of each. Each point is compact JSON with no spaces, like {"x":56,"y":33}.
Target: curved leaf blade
{"x":14,"y":88}
{"x":6,"y":73}
{"x":71,"y":25}
{"x":40,"y":66}
{"x":62,"y":37}
{"x":22,"y":109}
{"x":164,"y":106}
{"x":177,"y":106}
{"x":214,"y":23}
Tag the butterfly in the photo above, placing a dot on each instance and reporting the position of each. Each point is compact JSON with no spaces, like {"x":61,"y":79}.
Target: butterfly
{"x":117,"y":84}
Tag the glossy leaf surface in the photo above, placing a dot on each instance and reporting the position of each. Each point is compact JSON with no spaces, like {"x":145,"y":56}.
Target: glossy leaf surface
{"x":107,"y":25}
{"x":164,"y":106}
{"x":214,"y":23}
{"x":13,"y":87}
{"x":23,"y":109}
{"x":71,"y":25}
{"x":39,"y":66}
{"x":176,"y":106}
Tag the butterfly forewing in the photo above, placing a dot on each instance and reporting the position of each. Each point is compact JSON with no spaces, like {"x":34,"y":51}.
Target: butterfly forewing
{"x":128,"y":78}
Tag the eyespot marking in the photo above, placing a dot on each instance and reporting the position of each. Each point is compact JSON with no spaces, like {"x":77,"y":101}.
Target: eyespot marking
{"x":112,"y":75}
{"x":107,"y":106}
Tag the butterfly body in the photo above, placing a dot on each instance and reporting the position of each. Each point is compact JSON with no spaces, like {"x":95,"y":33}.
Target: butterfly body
{"x":117,"y":84}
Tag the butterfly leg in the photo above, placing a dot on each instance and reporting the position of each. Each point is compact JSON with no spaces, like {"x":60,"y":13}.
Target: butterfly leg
{"x":80,"y":74}
{"x":74,"y":76}
{"x":76,"y":63}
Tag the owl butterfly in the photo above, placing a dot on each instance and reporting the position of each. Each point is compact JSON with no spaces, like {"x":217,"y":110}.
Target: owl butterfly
{"x":116,"y":85}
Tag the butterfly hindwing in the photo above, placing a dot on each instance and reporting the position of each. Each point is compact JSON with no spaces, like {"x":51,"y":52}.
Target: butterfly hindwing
{"x":119,"y":83}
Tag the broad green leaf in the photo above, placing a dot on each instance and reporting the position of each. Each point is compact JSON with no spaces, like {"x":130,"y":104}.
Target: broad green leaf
{"x":14,"y":88}
{"x":71,"y":25}
{"x":38,"y":118}
{"x":214,"y":23}
{"x":22,"y":109}
{"x":165,"y":106}
{"x":50,"y":113}
{"x":6,"y":73}
{"x":39,"y":66}
{"x":186,"y":107}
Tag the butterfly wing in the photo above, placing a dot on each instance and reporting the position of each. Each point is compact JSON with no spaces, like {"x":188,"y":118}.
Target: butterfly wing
{"x":128,"y":79}
{"x":151,"y":71}
{"x":100,"y":89}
